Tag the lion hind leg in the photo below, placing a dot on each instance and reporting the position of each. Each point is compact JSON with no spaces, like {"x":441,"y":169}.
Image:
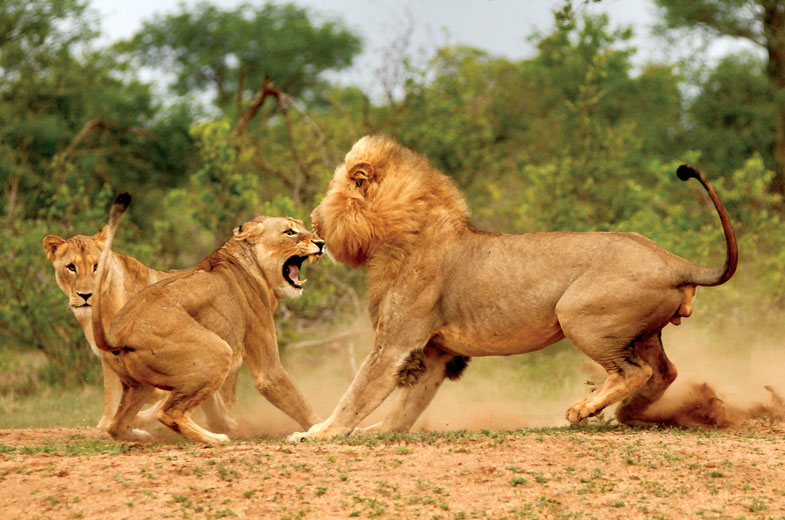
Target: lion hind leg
{"x":217,"y":416}
{"x":631,"y":410}
{"x":228,"y":389}
{"x":150,"y":414}
{"x":625,"y":376}
{"x":176,"y":414}
{"x":208,"y":359}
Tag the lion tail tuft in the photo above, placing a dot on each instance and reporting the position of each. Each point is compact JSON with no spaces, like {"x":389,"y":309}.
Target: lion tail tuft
{"x":686,"y":172}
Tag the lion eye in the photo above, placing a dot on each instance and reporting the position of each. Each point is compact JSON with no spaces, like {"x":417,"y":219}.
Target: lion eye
{"x":95,"y":267}
{"x":71,"y":267}
{"x":359,"y":184}
{"x":290,"y":232}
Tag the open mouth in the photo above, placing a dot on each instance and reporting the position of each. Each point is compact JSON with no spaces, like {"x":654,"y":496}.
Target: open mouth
{"x":291,"y":269}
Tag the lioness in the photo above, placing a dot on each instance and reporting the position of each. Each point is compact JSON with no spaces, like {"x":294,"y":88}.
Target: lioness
{"x":186,"y":333}
{"x":441,"y":291}
{"x":75,"y":261}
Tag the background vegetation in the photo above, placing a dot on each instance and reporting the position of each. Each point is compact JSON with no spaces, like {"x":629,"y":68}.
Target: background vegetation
{"x":573,"y":138}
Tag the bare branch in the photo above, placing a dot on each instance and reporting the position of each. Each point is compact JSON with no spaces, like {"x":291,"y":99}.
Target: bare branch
{"x":88,"y":127}
{"x":301,"y":167}
{"x":267,"y":89}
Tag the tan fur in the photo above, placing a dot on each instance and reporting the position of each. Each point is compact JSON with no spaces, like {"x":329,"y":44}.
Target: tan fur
{"x":441,"y":291}
{"x":188,"y":333}
{"x":128,"y":276}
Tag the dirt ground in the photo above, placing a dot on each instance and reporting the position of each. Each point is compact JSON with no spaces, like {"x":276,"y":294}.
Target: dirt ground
{"x":598,"y":471}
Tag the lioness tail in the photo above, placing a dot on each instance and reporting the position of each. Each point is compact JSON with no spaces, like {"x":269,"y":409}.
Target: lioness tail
{"x":118,"y":208}
{"x":711,"y":277}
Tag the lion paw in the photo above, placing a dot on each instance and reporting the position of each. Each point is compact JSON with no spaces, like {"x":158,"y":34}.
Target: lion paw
{"x":373,"y":428}
{"x":217,"y":439}
{"x":317,"y":431}
{"x":136,"y":435}
{"x":579,"y":412}
{"x":297,"y":437}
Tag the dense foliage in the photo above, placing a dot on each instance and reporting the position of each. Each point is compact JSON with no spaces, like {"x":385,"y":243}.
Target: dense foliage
{"x":574,"y":138}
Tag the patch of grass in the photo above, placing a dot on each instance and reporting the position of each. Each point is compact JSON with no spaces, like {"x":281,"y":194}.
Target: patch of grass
{"x":70,"y":407}
{"x":757,"y":505}
{"x":70,"y":448}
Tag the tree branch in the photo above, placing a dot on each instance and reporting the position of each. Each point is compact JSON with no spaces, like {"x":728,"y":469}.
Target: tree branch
{"x":267,"y":89}
{"x":86,"y":129}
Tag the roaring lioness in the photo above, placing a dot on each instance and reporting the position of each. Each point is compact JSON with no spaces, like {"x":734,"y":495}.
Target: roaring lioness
{"x":75,"y":261}
{"x":186,"y":333}
{"x":441,"y":291}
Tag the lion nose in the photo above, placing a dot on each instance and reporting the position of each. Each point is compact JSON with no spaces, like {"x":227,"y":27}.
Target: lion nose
{"x":319,"y":243}
{"x":85,"y":296}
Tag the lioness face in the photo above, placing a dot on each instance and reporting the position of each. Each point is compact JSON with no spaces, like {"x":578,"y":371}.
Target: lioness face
{"x":281,"y":245}
{"x":75,"y":261}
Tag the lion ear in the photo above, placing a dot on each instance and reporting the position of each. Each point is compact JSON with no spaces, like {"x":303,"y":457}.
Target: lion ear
{"x":362,"y":174}
{"x":243,"y":231}
{"x":51,"y":243}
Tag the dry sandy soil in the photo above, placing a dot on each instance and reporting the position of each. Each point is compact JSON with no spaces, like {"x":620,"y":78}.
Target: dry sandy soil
{"x":571,"y":472}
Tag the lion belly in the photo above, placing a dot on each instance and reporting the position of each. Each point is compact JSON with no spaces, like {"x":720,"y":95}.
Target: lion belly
{"x":480,"y":340}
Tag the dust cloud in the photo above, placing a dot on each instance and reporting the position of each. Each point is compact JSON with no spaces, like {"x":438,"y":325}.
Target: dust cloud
{"x":723,"y":382}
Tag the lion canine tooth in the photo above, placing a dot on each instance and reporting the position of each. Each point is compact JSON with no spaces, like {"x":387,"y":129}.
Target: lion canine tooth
{"x":300,"y":283}
{"x":310,"y":259}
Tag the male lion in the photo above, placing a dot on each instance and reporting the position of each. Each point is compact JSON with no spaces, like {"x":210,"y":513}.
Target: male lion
{"x":75,"y":261}
{"x":441,"y":291}
{"x":186,"y":333}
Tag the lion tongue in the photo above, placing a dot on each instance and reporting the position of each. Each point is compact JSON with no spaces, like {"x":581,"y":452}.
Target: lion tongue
{"x":294,"y":275}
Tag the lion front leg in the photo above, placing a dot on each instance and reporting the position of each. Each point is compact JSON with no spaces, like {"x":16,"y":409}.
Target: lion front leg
{"x":420,"y":377}
{"x":381,"y":372}
{"x":376,"y":379}
{"x":113,"y":391}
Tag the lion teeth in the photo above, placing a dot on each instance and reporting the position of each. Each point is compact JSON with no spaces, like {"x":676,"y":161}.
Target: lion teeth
{"x":300,"y":283}
{"x":310,"y":259}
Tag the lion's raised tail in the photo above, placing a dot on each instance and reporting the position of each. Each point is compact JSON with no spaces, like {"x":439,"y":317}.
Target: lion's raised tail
{"x":118,"y":208}
{"x":706,"y":276}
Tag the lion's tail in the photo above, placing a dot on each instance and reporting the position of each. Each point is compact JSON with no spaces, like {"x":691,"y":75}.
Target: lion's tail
{"x":705,"y":276}
{"x":118,"y":208}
